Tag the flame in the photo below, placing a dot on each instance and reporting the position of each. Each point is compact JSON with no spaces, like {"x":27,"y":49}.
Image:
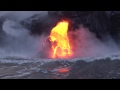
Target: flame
{"x":60,"y":42}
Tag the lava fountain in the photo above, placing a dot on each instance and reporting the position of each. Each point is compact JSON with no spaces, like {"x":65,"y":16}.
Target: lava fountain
{"x":59,"y":41}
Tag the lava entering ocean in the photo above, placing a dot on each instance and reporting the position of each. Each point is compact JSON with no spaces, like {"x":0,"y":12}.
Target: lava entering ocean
{"x":59,"y":41}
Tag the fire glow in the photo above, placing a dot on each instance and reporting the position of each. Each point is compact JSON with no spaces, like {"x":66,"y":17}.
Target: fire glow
{"x":63,"y":70}
{"x":59,"y":40}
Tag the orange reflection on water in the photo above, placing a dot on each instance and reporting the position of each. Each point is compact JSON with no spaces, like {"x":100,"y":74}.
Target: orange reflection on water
{"x":63,"y":70}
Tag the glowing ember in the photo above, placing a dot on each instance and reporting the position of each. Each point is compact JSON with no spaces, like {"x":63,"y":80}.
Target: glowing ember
{"x":60,"y":42}
{"x":63,"y":70}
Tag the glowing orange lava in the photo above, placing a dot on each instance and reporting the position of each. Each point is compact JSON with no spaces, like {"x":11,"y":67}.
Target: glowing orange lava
{"x":60,"y":42}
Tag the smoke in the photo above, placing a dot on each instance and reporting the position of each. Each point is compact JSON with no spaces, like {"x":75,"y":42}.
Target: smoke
{"x":19,"y":42}
{"x":4,"y":12}
{"x":14,"y":28}
{"x":20,"y":15}
{"x":85,"y":44}
{"x":17,"y":39}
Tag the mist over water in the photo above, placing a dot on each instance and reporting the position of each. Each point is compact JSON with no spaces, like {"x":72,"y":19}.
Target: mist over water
{"x":17,"y":39}
{"x":19,"y":42}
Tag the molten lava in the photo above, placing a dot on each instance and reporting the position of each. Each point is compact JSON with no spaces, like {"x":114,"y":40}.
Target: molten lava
{"x":59,"y":40}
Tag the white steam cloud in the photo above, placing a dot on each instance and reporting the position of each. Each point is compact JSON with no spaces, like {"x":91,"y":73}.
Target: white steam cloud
{"x":4,"y":12}
{"x":85,"y":44}
{"x":18,"y":41}
{"x":20,"y":15}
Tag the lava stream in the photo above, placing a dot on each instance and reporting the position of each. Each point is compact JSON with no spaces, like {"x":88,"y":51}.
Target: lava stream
{"x":59,"y":40}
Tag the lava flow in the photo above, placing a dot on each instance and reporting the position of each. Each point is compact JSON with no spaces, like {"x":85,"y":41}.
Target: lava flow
{"x":59,"y":40}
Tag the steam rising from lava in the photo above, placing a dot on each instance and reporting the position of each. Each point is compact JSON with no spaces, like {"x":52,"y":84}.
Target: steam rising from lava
{"x":16,"y":40}
{"x":83,"y":43}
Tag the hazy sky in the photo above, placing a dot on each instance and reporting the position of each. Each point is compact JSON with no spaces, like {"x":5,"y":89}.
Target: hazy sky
{"x":3,"y":12}
{"x":22,"y":14}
